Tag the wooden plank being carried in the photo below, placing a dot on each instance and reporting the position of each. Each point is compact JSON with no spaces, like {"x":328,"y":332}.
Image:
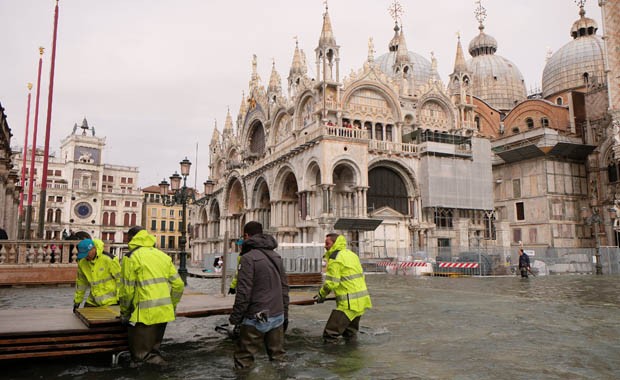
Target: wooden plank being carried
{"x":192,"y":305}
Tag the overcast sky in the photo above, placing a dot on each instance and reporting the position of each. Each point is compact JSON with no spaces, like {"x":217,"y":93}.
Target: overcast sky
{"x":152,"y":76}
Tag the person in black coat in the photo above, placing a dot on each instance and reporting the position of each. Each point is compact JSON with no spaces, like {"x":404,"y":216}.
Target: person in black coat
{"x":524,"y":263}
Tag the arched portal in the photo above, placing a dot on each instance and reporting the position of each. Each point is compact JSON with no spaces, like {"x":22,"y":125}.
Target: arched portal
{"x":345,"y":202}
{"x":387,"y":188}
{"x":262,"y":204}
{"x":235,"y":208}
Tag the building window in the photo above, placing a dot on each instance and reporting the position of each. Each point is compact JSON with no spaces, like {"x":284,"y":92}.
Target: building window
{"x":106,"y":202}
{"x":163,"y":225}
{"x":126,"y":220}
{"x":162,"y":240}
{"x":123,"y":180}
{"x":127,"y":203}
{"x":129,"y":180}
{"x":477,"y":122}
{"x":515,"y":130}
{"x":133,"y":219}
{"x":50,"y":215}
{"x":544,"y":122}
{"x":520,"y":209}
{"x":516,"y":188}
{"x":559,"y":101}
{"x":153,"y":212}
{"x":153,"y":225}
{"x":378,"y":131}
{"x":106,"y":218}
{"x":489,"y":227}
{"x":529,"y":122}
{"x":612,"y":172}
{"x":171,"y":226}
{"x":443,"y":218}
{"x":112,"y":203}
{"x":516,"y":235}
{"x":134,"y":204}
{"x":171,"y":242}
{"x":113,"y":219}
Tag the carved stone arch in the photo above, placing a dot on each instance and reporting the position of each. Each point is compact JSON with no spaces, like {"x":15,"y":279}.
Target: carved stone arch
{"x":281,"y":128}
{"x":261,"y":202}
{"x":312,"y":176}
{"x":255,"y":139}
{"x":282,"y":183}
{"x":386,"y":93}
{"x":235,"y":195}
{"x":389,"y":186}
{"x":260,"y":187}
{"x":404,"y":170}
{"x":304,"y":110}
{"x":347,"y":169}
{"x":436,"y":112}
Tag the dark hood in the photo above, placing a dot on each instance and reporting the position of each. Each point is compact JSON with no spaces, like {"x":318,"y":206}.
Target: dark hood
{"x":263,"y":241}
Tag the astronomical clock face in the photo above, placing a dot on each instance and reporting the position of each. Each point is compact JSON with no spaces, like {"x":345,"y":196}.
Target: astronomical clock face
{"x":83,"y":210}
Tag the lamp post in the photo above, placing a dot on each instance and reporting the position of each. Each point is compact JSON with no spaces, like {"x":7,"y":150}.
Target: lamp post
{"x":181,"y":196}
{"x":595,"y":220}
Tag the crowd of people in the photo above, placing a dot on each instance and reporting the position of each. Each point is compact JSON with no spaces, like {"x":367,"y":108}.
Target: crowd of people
{"x":147,"y":287}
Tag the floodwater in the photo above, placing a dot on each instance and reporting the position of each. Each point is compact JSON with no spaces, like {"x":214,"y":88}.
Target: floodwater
{"x":551,"y":327}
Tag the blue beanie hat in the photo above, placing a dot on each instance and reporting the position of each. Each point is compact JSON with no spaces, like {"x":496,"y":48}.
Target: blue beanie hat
{"x":84,"y":247}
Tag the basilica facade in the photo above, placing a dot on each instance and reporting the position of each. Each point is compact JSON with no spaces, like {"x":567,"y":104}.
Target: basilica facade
{"x":402,"y":163}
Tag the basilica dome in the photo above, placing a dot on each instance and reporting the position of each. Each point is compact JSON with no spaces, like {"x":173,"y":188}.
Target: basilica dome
{"x":495,"y":79}
{"x":421,"y":66}
{"x":578,"y":62}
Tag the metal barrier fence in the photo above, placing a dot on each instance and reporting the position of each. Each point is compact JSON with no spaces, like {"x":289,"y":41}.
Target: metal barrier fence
{"x":503,"y":261}
{"x":295,"y":259}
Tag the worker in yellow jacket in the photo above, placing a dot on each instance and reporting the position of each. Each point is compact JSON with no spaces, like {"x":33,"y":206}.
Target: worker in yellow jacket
{"x":99,"y":271}
{"x":344,"y":276}
{"x":149,"y":294}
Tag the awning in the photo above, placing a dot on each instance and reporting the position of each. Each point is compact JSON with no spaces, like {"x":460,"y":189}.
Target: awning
{"x":357,"y":224}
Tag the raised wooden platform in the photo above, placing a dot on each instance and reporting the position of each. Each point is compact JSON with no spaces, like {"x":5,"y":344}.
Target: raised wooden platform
{"x":32,"y":333}
{"x":36,"y":333}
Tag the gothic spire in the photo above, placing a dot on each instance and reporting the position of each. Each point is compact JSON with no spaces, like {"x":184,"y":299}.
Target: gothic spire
{"x":460,"y":65}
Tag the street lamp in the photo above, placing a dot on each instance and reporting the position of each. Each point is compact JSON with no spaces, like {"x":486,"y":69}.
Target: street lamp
{"x":595,"y":219}
{"x":181,"y":196}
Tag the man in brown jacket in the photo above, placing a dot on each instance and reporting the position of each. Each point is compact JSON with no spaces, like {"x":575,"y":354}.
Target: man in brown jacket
{"x":261,"y":300}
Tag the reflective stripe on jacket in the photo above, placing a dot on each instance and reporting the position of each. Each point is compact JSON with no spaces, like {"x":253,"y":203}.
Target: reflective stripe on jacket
{"x":150,"y":287}
{"x":101,"y":275}
{"x":345,"y":277}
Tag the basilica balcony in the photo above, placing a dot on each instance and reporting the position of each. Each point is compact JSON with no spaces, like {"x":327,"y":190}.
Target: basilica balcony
{"x":445,"y":149}
{"x":405,"y":149}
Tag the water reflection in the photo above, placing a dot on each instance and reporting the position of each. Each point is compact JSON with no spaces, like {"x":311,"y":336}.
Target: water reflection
{"x":428,"y":328}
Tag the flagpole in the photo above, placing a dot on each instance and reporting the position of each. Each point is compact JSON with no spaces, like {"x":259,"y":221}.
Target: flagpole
{"x":50,"y":97}
{"x":31,"y":177}
{"x":20,"y":227}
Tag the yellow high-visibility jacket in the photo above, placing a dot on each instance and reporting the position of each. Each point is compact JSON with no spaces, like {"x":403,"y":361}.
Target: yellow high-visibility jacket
{"x":345,"y":277}
{"x":150,"y":285}
{"x":101,"y":275}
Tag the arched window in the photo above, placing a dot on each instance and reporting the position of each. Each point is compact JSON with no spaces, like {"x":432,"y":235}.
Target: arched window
{"x":586,"y":78}
{"x":612,"y":172}
{"x":388,"y":132}
{"x":133,"y":219}
{"x":515,"y":130}
{"x":559,"y":101}
{"x":113,"y":219}
{"x":58,"y":216}
{"x":106,"y":218}
{"x":529,"y":122}
{"x":378,"y":131}
{"x":126,"y":220}
{"x":50,"y":215}
{"x":477,"y":121}
{"x":544,"y":122}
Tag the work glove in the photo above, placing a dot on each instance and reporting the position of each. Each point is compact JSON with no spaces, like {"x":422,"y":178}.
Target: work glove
{"x":75,"y":307}
{"x":236,"y":332}
{"x":232,"y":291}
{"x":319,"y":299}
{"x":285,"y":325}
